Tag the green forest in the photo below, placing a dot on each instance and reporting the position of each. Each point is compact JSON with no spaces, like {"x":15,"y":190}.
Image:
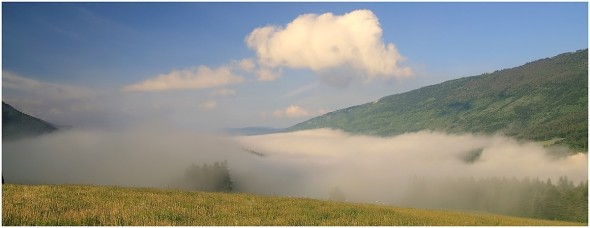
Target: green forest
{"x":532,"y":198}
{"x":207,"y":177}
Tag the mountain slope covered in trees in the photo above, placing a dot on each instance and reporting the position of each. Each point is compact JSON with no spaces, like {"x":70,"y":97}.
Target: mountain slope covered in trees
{"x":541,"y":100}
{"x":16,"y":125}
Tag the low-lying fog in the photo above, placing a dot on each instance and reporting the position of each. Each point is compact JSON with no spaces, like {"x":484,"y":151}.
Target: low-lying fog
{"x":306,"y":163}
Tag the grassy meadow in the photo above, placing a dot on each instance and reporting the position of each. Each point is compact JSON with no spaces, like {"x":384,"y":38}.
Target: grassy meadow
{"x":25,"y":205}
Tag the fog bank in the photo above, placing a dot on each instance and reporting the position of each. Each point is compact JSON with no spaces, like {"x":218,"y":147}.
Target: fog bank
{"x":372,"y":169}
{"x":143,"y":157}
{"x":306,"y":163}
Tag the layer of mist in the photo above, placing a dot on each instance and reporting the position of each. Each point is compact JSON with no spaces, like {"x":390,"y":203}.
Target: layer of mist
{"x":145,"y":158}
{"x":375,"y":169}
{"x":304,"y":164}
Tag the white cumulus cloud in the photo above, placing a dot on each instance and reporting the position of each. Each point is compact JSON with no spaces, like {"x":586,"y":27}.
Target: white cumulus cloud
{"x":195,"y":78}
{"x":325,"y":42}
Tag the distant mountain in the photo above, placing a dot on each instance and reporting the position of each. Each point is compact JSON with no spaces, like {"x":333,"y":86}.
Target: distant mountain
{"x":252,"y":131}
{"x":541,"y":100}
{"x":16,"y":125}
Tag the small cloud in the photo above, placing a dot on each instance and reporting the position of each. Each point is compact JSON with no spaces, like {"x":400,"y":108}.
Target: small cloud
{"x":292,"y":111}
{"x":52,"y":102}
{"x":44,"y":90}
{"x":225,"y":92}
{"x":326,"y":42}
{"x":208,"y":105}
{"x":247,"y":65}
{"x":267,"y":74}
{"x":196,"y":78}
{"x":300,"y":90}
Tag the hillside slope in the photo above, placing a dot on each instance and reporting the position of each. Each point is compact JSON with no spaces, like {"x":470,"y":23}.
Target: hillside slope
{"x":25,"y":205}
{"x":16,"y":125}
{"x":541,"y":100}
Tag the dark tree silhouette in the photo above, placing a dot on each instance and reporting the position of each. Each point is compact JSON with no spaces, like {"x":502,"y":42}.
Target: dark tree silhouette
{"x":207,"y":177}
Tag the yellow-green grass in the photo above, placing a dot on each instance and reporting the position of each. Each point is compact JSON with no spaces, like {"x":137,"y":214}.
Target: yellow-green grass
{"x":94,"y":205}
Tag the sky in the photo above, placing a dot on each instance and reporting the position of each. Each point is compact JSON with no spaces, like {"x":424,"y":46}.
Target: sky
{"x":202,"y":66}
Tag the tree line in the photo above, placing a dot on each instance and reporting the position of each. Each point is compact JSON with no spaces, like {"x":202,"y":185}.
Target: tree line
{"x":527,"y":197}
{"x":206,"y":177}
{"x":531,"y":198}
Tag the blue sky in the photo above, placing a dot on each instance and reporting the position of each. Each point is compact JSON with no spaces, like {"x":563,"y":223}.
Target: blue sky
{"x":100,"y":57}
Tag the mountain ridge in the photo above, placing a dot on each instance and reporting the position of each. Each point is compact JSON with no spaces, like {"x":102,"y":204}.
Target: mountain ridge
{"x":540,"y":100}
{"x":17,"y":125}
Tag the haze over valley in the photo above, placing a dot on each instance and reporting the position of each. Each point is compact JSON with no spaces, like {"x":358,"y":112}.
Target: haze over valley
{"x":333,"y":101}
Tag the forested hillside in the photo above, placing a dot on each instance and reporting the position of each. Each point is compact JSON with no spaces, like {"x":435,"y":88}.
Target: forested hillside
{"x":541,"y":100}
